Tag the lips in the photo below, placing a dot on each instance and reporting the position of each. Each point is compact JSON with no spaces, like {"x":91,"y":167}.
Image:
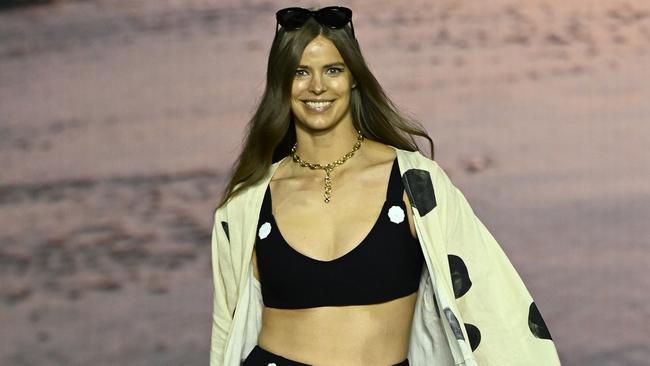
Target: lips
{"x":318,"y":106}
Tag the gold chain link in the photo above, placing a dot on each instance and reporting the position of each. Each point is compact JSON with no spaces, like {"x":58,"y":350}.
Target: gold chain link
{"x":328,"y":167}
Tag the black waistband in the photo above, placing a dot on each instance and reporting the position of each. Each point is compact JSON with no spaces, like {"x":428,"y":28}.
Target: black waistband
{"x":262,"y":357}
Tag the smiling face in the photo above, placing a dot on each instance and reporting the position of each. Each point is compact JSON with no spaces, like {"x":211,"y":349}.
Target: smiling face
{"x":320,"y":93}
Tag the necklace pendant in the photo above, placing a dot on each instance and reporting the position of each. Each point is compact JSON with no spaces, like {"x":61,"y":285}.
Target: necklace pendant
{"x":328,"y":184}
{"x":328,"y":167}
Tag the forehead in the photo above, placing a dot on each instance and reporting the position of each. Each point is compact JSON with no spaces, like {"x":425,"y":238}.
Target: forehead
{"x":320,"y":51}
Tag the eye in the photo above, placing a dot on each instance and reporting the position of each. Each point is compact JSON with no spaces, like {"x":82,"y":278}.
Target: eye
{"x":337,"y":69}
{"x":299,"y":71}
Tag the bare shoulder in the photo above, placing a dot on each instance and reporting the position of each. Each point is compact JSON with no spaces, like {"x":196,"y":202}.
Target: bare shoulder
{"x":378,"y":153}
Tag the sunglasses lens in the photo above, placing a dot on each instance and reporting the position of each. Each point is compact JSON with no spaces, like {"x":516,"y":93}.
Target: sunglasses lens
{"x":292,"y":18}
{"x":331,"y":16}
{"x":334,"y":16}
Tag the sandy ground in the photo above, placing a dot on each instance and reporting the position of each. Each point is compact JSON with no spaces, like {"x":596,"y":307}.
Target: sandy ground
{"x":119,"y":120}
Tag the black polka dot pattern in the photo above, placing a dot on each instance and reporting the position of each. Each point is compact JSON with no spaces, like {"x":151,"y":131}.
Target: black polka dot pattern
{"x":459,"y":275}
{"x":473,"y":334}
{"x":418,"y":186}
{"x":536,"y":323}
{"x":225,"y":229}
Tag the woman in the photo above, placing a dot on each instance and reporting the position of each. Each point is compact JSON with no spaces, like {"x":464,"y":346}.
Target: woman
{"x":338,"y":243}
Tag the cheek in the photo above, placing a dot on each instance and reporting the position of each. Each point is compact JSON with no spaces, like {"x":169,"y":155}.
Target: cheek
{"x":343,"y":91}
{"x":341,"y":86}
{"x":299,"y":86}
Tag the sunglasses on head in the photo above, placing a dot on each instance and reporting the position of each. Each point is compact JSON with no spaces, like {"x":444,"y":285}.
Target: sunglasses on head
{"x":330,"y":16}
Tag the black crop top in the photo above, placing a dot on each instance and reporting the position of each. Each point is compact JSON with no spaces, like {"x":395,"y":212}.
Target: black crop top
{"x":386,"y":264}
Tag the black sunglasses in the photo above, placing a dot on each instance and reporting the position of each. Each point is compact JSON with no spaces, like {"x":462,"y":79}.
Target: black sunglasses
{"x":330,"y":16}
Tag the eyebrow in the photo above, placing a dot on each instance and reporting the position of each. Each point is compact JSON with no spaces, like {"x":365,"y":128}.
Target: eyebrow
{"x":325,"y":66}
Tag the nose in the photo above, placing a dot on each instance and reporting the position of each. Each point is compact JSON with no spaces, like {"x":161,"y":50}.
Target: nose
{"x":316,"y":84}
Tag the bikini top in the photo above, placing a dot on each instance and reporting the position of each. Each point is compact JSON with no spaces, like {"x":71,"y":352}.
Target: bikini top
{"x":385,"y":265}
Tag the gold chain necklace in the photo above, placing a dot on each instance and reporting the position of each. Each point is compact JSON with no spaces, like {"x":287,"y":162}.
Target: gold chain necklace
{"x":328,"y":167}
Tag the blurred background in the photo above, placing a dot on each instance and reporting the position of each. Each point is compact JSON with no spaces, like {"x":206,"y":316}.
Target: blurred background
{"x":119,"y":122}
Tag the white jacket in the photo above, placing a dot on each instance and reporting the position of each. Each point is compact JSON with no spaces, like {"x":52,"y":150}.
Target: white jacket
{"x":472,"y":307}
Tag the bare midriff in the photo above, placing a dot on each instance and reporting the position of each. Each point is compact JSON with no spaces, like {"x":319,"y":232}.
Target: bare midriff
{"x":376,"y":334}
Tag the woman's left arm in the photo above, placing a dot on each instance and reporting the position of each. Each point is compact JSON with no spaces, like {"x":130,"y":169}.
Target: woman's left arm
{"x":502,"y":321}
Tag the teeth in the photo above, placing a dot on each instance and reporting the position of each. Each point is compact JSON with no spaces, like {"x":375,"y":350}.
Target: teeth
{"x":318,"y":104}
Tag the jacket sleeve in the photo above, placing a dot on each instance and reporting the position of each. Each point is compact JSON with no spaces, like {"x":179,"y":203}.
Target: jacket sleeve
{"x":502,"y":322}
{"x":224,"y":293}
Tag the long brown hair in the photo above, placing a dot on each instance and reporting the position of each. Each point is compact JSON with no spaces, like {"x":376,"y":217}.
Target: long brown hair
{"x":270,"y":133}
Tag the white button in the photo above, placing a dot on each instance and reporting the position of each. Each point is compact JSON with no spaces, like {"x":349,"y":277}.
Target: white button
{"x":264,"y":231}
{"x":396,"y":214}
{"x":271,"y":364}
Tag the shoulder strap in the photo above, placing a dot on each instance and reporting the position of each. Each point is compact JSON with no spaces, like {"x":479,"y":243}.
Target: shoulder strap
{"x":395,"y":187}
{"x":266,"y":203}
